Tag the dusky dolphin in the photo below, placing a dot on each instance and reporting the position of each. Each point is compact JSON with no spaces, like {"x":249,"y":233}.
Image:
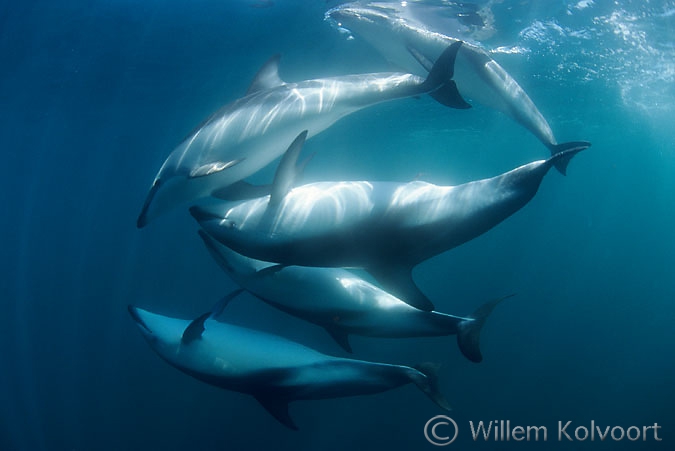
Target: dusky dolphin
{"x":385,"y":228}
{"x":247,"y":134}
{"x":343,"y":303}
{"x":272,"y":369}
{"x":403,"y":34}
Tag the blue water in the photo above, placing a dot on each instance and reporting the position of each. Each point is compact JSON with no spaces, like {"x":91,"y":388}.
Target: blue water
{"x":94,"y":95}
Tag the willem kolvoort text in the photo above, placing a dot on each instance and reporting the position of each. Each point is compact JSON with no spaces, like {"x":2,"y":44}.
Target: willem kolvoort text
{"x":502,"y":431}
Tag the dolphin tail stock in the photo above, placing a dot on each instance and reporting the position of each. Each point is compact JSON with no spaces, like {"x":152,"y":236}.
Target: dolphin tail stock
{"x":561,"y":154}
{"x":468,"y":331}
{"x":425,"y":377}
{"x":439,"y":83}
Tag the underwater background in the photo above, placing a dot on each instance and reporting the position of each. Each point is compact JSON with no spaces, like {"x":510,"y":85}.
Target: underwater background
{"x":93,"y":97}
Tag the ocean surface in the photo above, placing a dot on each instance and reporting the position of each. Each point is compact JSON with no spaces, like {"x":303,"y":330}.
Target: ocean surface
{"x":93,"y":97}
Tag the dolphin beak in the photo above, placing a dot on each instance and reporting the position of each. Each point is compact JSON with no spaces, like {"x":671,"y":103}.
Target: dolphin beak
{"x":136,"y":315}
{"x":203,"y":214}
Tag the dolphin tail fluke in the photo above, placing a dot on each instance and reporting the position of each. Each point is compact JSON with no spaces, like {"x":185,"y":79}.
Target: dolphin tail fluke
{"x":449,"y":95}
{"x":426,"y":379}
{"x":561,"y":154}
{"x":279,"y":410}
{"x":439,"y":83}
{"x":468,"y":333}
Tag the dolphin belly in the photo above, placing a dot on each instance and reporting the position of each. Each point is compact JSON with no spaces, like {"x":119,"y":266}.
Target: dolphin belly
{"x":337,"y":378}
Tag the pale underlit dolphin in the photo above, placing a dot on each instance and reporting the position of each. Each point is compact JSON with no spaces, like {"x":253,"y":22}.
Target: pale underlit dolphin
{"x":386,"y":228}
{"x":247,"y":134}
{"x":403,"y":33}
{"x":343,"y":303}
{"x":272,"y":369}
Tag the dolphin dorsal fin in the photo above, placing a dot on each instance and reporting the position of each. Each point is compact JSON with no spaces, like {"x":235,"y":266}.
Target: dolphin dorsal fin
{"x":398,"y":281}
{"x":287,"y":172}
{"x":267,"y":77}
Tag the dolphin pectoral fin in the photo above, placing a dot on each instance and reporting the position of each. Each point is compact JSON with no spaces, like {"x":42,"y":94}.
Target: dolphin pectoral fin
{"x":212,"y":168}
{"x":241,"y":190}
{"x":341,"y":337}
{"x":195,"y":329}
{"x":219,"y":308}
{"x":278,"y":409}
{"x":143,"y":220}
{"x":287,"y":172}
{"x":468,"y":333}
{"x":561,"y":154}
{"x":399,"y":282}
{"x":267,"y":77}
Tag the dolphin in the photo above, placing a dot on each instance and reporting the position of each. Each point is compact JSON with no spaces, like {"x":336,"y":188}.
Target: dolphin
{"x":272,"y":369}
{"x":385,"y":228}
{"x":247,"y":134}
{"x":343,"y":303}
{"x":403,"y":33}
